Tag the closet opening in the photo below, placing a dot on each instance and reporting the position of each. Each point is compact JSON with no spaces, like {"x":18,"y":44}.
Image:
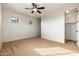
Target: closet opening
{"x":71,"y":26}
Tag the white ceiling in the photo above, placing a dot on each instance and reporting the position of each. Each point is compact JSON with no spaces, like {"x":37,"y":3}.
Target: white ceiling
{"x":49,"y":7}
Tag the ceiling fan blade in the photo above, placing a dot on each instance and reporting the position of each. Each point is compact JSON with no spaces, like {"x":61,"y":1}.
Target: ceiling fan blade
{"x":38,"y":11}
{"x":32,"y":12}
{"x":28,"y":8}
{"x":34,"y":5}
{"x":41,"y":8}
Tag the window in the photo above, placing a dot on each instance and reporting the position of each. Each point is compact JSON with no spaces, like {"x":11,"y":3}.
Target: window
{"x":14,"y":19}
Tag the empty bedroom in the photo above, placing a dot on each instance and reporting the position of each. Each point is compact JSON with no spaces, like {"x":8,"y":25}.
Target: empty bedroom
{"x":39,"y":29}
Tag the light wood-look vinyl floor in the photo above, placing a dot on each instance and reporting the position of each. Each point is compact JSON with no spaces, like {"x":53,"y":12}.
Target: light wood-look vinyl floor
{"x":25,"y":47}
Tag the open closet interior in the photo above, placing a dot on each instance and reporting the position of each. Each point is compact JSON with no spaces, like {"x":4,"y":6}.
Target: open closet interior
{"x":71,"y":26}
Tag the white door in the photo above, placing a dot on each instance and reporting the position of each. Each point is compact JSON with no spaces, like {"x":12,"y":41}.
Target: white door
{"x":78,"y":30}
{"x":0,"y":28}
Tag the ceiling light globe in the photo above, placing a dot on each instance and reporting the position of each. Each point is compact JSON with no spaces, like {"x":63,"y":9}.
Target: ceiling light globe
{"x":35,"y":9}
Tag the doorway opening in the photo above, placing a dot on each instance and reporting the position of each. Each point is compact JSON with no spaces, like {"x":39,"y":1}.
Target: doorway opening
{"x":71,"y":26}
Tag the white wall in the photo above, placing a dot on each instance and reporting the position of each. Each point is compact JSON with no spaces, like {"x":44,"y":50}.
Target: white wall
{"x":71,"y":31}
{"x":0,"y":27}
{"x":52,"y":26}
{"x":21,"y":30}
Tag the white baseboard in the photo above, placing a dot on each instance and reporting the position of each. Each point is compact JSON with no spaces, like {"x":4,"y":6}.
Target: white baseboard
{"x":20,"y":39}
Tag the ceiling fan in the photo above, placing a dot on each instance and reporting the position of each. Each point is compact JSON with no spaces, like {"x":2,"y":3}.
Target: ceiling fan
{"x":35,"y":8}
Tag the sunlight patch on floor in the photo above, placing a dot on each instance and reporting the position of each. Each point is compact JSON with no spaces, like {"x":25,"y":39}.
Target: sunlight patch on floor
{"x":52,"y":51}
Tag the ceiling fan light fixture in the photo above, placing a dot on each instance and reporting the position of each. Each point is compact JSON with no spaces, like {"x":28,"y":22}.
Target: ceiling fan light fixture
{"x":35,"y":9}
{"x":67,"y":11}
